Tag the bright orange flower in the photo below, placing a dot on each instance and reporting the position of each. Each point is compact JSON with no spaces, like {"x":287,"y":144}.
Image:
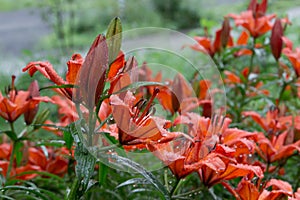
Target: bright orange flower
{"x":4,"y":166}
{"x":183,"y":155}
{"x":243,"y":142}
{"x":26,"y":168}
{"x":259,"y":9}
{"x":54,"y":163}
{"x":242,"y":41}
{"x":222,"y":39}
{"x":48,"y":71}
{"x":255,"y":26}
{"x":210,"y":176}
{"x":294,"y":57}
{"x":272,"y":190}
{"x":274,"y":149}
{"x":273,"y":122}
{"x":88,"y":74}
{"x":135,"y":123}
{"x":18,"y":102}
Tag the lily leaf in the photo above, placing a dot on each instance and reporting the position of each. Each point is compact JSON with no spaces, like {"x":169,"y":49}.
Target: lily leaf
{"x":59,"y":86}
{"x":134,"y":181}
{"x":148,"y":175}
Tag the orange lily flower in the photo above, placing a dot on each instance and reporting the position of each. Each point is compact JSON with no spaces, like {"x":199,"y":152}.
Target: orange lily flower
{"x":89,"y":74}
{"x":222,"y":39}
{"x":294,"y":57}
{"x":246,"y":190}
{"x":55,"y":164}
{"x":242,"y":142}
{"x":48,"y":71}
{"x":209,"y":176}
{"x":18,"y":102}
{"x":273,"y":123}
{"x":242,"y":41}
{"x":26,"y":168}
{"x":259,"y":9}
{"x":195,"y":153}
{"x":135,"y":123}
{"x":255,"y":26}
{"x":274,"y":149}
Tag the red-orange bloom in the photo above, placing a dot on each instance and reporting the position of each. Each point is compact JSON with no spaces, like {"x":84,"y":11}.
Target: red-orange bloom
{"x":210,"y":176}
{"x":272,"y":190}
{"x":258,"y":9}
{"x":18,"y":102}
{"x":280,"y":137}
{"x":55,"y":164}
{"x":222,"y":39}
{"x":255,"y":26}
{"x":135,"y":123}
{"x":48,"y":71}
{"x":294,"y":57}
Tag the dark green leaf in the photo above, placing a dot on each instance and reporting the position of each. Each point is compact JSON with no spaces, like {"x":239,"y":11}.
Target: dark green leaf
{"x":18,"y":152}
{"x":68,"y":139}
{"x":27,"y":189}
{"x":137,"y":190}
{"x":134,"y":181}
{"x":148,"y":175}
{"x":10,"y":134}
{"x":59,"y":86}
{"x":103,"y":169}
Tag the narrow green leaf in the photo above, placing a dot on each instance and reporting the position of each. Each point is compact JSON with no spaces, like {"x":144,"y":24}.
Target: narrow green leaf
{"x":114,"y":38}
{"x":10,"y":134}
{"x":59,"y":86}
{"x":138,"y":190}
{"x":103,"y":169}
{"x":133,"y":181}
{"x":6,"y":197}
{"x":148,"y":175}
{"x":18,"y":153}
{"x":27,"y":189}
{"x":68,"y":138}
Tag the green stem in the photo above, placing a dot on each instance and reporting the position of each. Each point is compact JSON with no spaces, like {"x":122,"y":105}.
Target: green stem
{"x":73,"y":191}
{"x":12,"y":127}
{"x":11,"y":160}
{"x":281,"y":92}
{"x":251,"y":59}
{"x":176,"y":187}
{"x":91,"y":127}
{"x":78,"y":110}
{"x":166,"y":179}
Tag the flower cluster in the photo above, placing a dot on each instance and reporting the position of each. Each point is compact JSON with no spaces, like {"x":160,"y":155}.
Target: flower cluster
{"x":107,"y":100}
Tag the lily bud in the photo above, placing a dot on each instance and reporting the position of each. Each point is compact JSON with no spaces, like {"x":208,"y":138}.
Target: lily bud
{"x":33,"y":107}
{"x":225,"y":32}
{"x":276,"y":39}
{"x":93,"y":71}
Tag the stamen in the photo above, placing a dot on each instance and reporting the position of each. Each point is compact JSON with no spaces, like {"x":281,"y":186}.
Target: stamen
{"x":13,"y":77}
{"x":138,"y":106}
{"x":149,"y":105}
{"x":12,"y":90}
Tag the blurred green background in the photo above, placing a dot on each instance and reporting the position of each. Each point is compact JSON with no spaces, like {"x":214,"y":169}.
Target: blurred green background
{"x":55,"y":29}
